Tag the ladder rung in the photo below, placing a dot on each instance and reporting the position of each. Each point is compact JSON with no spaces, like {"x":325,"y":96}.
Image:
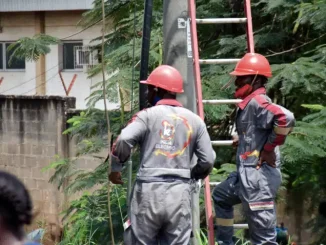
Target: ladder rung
{"x":214,"y":183}
{"x":222,"y":142}
{"x":221,"y":20}
{"x":218,"y":61}
{"x":218,"y":102}
{"x":240,"y":226}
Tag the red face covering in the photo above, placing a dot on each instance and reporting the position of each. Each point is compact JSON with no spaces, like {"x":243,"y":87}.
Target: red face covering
{"x":243,"y":92}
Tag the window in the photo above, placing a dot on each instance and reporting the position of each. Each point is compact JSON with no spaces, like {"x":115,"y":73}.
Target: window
{"x":74,"y":56}
{"x":16,"y":64}
{"x":68,"y":55}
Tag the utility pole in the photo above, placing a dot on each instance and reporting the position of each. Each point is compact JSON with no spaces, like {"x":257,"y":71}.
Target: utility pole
{"x":178,"y":53}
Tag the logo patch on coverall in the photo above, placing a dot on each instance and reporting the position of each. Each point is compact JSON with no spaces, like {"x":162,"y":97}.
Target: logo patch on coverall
{"x":167,"y":133}
{"x":247,"y":154}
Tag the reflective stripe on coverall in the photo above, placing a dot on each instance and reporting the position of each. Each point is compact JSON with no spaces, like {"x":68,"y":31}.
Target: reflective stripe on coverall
{"x":169,"y":135}
{"x":260,"y":125}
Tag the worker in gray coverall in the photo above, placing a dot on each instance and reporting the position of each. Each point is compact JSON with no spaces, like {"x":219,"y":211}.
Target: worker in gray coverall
{"x":261,"y":127}
{"x":169,"y":136}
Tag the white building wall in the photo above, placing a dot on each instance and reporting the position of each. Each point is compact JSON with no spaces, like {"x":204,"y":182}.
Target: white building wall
{"x":60,"y":24}
{"x":44,"y":5}
{"x":13,"y":28}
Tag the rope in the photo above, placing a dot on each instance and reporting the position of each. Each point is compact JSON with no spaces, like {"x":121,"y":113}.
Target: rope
{"x":107,"y":121}
{"x":132,"y":102}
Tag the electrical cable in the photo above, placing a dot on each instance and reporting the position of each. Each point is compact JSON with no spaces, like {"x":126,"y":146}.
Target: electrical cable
{"x":17,"y":86}
{"x":41,"y":84}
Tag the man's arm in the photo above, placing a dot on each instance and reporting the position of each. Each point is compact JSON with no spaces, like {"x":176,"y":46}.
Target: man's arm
{"x":205,"y":154}
{"x":129,"y":137}
{"x":277,"y":118}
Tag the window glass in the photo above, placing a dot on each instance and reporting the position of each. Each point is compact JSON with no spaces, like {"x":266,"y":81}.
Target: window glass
{"x":18,"y":64}
{"x":69,"y":55}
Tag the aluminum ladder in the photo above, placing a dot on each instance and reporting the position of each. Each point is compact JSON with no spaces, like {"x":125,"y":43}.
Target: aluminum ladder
{"x":197,"y":62}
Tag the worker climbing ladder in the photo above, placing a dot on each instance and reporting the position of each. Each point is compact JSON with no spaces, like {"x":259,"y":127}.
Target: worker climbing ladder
{"x":197,"y":62}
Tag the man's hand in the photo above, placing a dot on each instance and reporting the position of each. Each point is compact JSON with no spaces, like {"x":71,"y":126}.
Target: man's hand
{"x":115,"y":178}
{"x":235,"y":139}
{"x":267,"y":156}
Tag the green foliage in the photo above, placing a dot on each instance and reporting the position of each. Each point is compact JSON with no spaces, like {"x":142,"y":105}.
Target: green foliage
{"x":313,"y":14}
{"x":239,"y":237}
{"x":32,"y":48}
{"x":64,"y":169}
{"x":219,"y":175}
{"x":119,"y":46}
{"x":88,"y":217}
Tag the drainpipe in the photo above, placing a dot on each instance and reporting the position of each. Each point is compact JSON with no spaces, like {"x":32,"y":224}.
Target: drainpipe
{"x":40,"y":64}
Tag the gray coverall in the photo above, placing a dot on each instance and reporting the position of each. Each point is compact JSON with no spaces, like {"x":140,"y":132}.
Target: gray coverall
{"x":260,"y":125}
{"x":169,"y":136}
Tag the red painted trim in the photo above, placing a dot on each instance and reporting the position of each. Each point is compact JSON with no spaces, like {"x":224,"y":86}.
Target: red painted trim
{"x":71,"y":84}
{"x":63,"y":83}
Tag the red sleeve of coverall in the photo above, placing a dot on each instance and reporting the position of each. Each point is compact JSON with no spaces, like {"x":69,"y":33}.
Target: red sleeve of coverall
{"x":129,"y":137}
{"x":277,"y":118}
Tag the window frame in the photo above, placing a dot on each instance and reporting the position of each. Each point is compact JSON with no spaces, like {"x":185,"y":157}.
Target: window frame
{"x":62,"y":55}
{"x":4,"y":58}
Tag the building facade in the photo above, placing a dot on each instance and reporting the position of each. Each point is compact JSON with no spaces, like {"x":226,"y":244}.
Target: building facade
{"x":68,"y":61}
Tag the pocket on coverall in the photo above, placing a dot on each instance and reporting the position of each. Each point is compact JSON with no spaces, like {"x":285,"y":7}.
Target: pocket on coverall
{"x":139,"y":201}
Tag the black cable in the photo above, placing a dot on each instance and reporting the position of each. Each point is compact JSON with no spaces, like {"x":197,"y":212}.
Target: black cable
{"x":145,"y":53}
{"x":17,"y":86}
{"x":41,"y":84}
{"x":133,"y":62}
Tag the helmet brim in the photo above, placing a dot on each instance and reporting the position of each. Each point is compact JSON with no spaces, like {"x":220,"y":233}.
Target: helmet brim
{"x":239,"y":73}
{"x":172,"y":91}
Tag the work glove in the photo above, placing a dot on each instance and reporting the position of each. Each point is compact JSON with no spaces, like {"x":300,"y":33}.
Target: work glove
{"x":267,"y":156}
{"x":115,"y":178}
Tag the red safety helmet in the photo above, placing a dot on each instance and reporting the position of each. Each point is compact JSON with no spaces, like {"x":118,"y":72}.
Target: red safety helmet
{"x":167,"y":78}
{"x":253,"y":64}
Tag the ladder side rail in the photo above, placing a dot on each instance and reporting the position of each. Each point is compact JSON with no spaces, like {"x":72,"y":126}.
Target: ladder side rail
{"x":250,"y":34}
{"x":194,"y":41}
{"x":195,"y":51}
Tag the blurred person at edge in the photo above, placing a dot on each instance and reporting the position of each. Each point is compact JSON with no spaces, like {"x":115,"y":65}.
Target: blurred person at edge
{"x":15,"y":210}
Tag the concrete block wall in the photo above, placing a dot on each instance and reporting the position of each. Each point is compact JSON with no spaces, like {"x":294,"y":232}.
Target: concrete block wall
{"x":30,"y":136}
